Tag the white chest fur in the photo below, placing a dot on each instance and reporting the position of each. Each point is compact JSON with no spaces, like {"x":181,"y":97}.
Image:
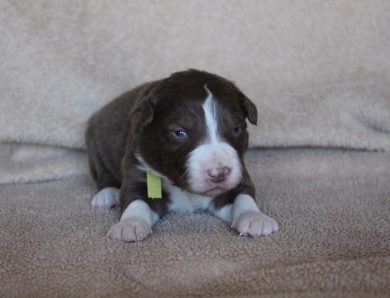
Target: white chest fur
{"x":185,"y":202}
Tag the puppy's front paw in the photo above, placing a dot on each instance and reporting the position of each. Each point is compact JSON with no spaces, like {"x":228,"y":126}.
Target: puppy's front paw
{"x":106,"y":198}
{"x":254,"y":224}
{"x":130,"y":230}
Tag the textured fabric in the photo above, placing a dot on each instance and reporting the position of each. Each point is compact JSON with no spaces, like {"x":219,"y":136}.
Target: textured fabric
{"x":299,"y":61}
{"x":332,"y":208}
{"x":22,"y":163}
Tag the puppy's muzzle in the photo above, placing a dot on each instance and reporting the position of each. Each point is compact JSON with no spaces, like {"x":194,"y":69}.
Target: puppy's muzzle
{"x":218,"y":175}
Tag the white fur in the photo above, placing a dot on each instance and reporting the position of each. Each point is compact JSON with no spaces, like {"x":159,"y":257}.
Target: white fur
{"x":184,"y":201}
{"x":248,"y":220}
{"x":106,"y":198}
{"x":209,"y":108}
{"x":139,"y":208}
{"x":211,"y":155}
{"x":135,"y":224}
{"x":225,"y":213}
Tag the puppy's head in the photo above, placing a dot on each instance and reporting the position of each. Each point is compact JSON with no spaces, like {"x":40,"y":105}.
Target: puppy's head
{"x":193,"y":131}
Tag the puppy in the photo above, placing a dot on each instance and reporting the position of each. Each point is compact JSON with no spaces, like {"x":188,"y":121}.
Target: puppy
{"x":189,"y":130}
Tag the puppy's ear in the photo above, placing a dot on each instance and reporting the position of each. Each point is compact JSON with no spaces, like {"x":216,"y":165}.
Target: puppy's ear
{"x":250,"y":110}
{"x":144,"y":113}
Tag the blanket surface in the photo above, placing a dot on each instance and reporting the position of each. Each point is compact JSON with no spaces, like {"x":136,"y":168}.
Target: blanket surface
{"x":332,"y":208}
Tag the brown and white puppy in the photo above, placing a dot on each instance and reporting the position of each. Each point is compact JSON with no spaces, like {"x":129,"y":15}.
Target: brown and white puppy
{"x":189,"y":129}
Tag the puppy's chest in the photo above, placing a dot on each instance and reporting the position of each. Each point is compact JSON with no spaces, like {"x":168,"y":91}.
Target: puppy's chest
{"x":182,"y":201}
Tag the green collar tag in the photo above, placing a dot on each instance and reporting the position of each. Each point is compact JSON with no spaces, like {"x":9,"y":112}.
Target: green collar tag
{"x":154,"y":186}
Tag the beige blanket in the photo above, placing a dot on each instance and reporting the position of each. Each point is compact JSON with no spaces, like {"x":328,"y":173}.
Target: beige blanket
{"x":319,"y":73}
{"x":332,"y":208}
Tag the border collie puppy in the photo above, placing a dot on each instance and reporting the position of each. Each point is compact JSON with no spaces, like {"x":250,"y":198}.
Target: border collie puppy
{"x":189,"y":130}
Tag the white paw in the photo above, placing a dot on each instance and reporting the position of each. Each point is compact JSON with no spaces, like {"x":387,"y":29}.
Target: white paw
{"x":106,"y":198}
{"x":254,"y":224}
{"x":130,"y":230}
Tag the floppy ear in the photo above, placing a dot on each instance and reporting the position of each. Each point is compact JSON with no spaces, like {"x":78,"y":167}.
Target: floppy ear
{"x":144,"y":113}
{"x":250,"y":110}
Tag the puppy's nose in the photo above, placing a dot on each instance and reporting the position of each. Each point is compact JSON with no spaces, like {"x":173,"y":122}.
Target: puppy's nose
{"x":218,"y":175}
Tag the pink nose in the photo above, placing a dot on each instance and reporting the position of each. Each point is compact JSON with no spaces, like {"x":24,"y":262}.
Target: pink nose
{"x":218,"y":175}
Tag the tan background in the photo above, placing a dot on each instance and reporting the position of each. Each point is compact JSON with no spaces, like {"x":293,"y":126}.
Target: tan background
{"x":317,"y":70}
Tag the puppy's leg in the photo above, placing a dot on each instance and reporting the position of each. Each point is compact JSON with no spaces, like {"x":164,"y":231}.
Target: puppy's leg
{"x":246,"y":218}
{"x":135,"y":224}
{"x":106,"y":198}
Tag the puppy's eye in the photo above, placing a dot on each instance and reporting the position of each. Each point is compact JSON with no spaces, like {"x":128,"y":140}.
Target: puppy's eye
{"x":180,"y":133}
{"x":236,"y":130}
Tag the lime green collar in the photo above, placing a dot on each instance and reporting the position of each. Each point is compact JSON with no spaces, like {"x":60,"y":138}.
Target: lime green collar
{"x":154,"y":185}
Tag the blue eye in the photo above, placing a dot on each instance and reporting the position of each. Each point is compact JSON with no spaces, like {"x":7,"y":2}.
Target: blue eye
{"x":236,"y":130}
{"x":180,"y":133}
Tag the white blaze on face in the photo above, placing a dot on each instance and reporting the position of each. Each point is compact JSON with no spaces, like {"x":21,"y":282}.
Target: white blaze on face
{"x":214,"y":166}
